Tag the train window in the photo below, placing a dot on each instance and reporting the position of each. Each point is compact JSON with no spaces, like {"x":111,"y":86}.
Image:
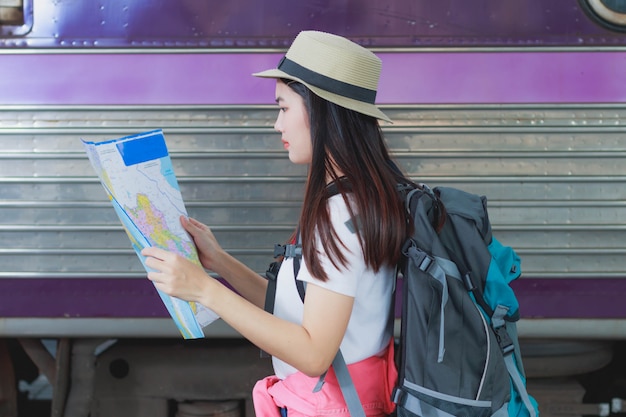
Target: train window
{"x":608,"y":13}
{"x":12,"y":12}
{"x":15,"y":17}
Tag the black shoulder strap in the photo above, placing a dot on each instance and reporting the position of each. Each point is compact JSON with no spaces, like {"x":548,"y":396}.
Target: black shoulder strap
{"x":270,"y":294}
{"x":281,"y":251}
{"x":296,"y":266}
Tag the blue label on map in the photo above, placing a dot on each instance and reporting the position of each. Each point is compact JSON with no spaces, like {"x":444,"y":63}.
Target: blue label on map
{"x":142,"y":148}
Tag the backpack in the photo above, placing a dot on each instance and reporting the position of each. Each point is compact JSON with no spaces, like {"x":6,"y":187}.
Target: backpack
{"x":458,"y":347}
{"x":458,"y":351}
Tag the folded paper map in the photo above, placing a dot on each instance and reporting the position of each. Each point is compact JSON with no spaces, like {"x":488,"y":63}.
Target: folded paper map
{"x":137,"y":174}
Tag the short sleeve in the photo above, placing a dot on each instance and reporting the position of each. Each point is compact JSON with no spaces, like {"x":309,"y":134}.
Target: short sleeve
{"x":341,"y":279}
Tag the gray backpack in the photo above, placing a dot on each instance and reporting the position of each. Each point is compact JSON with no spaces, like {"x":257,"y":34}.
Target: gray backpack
{"x":458,"y":348}
{"x":458,"y":351}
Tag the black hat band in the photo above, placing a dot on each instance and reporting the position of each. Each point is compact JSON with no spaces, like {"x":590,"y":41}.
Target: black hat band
{"x":326,"y":83}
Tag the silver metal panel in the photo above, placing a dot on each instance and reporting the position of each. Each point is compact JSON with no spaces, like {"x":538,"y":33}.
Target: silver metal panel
{"x":554,"y":176}
{"x":103,"y":327}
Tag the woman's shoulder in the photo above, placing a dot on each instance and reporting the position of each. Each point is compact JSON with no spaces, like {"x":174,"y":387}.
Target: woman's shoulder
{"x":340,"y":216}
{"x":338,"y":206}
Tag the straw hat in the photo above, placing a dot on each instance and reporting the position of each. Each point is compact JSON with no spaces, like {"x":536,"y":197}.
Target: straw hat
{"x":334,"y":68}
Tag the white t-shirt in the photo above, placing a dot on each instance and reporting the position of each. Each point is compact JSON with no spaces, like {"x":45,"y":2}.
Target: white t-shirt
{"x":368,"y":330}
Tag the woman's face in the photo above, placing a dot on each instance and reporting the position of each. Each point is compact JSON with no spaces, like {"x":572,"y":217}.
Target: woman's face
{"x":293,"y":124}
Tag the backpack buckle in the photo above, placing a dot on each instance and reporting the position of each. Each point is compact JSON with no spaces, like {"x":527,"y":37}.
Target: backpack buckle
{"x":272,"y":271}
{"x":504,"y":340}
{"x":288,"y":251}
{"x":279,"y":250}
{"x":397,"y":395}
{"x":426,"y":262}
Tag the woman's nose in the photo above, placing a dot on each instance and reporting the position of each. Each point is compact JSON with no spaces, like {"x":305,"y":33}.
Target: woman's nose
{"x":277,"y":124}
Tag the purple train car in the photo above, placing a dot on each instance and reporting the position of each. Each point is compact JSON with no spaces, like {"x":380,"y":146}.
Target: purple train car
{"x":524,"y":102}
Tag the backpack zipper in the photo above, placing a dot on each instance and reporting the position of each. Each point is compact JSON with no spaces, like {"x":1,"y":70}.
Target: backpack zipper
{"x":488,"y":339}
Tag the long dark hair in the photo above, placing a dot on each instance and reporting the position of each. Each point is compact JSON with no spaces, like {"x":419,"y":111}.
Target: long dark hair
{"x":351,"y":143}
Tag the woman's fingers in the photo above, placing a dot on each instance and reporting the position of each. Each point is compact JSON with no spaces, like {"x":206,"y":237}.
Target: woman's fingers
{"x":159,"y":259}
{"x":197,"y":223}
{"x":192,"y":225}
{"x":154,"y":252}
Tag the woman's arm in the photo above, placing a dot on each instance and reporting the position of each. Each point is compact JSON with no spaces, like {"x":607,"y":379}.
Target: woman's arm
{"x":309,"y":347}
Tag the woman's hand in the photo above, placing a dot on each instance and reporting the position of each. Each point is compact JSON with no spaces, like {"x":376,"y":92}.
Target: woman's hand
{"x":212,"y":256}
{"x":177,"y":276}
{"x":209,"y":250}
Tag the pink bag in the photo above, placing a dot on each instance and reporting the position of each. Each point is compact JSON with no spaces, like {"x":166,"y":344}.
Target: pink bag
{"x":374,"y":379}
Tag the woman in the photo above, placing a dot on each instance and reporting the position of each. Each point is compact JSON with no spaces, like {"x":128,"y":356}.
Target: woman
{"x":351,"y":239}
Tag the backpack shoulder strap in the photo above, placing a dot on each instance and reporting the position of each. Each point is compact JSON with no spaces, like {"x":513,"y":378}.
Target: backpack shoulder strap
{"x":347,"y":386}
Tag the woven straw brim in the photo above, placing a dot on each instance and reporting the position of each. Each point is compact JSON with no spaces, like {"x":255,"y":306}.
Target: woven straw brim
{"x":348,"y":103}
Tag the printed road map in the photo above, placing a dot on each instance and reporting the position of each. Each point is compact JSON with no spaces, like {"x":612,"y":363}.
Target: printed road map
{"x":137,"y":174}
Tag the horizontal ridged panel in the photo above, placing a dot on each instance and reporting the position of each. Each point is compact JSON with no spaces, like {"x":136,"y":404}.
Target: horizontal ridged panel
{"x":554,"y":176}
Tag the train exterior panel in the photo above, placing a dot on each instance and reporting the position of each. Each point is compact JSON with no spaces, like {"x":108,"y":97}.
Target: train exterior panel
{"x":542,"y":140}
{"x":524,"y":103}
